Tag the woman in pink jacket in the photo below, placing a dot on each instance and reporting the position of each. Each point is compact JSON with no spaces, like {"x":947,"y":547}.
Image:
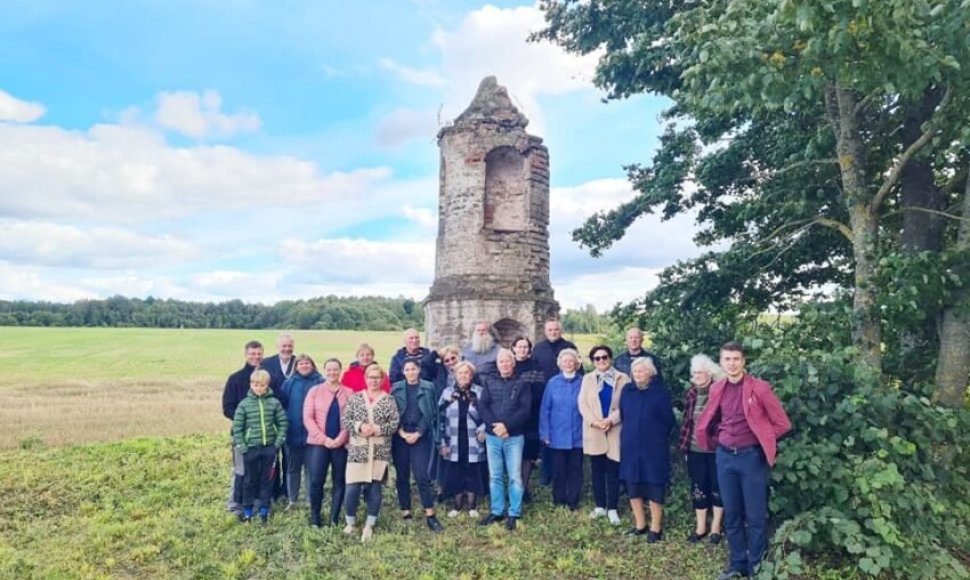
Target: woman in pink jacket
{"x":323,"y":411}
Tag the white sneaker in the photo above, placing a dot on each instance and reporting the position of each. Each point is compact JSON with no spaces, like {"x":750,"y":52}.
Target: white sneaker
{"x":614,"y":517}
{"x":349,"y":529}
{"x":597,"y":513}
{"x":453,"y":514}
{"x":367,"y":534}
{"x":473,"y":513}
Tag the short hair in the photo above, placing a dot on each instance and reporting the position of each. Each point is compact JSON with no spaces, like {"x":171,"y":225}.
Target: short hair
{"x":410,"y":361}
{"x":636,"y":328}
{"x":465,"y":364}
{"x":284,"y":336}
{"x":259,"y":375}
{"x":340,"y":365}
{"x":504,"y":352}
{"x":644,"y":361}
{"x":375,"y":367}
{"x":566,"y":352}
{"x":704,"y":363}
{"x":304,"y":357}
{"x":592,"y":351}
{"x":449,"y":349}
{"x":520,"y":337}
{"x":253,"y":344}
{"x":412,"y":330}
{"x":733,"y":346}
{"x":364,"y":346}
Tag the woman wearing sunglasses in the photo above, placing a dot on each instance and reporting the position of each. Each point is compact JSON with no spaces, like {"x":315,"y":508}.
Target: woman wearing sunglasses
{"x":599,"y":404}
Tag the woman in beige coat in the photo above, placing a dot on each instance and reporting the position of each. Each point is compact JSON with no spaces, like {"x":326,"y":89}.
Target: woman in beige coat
{"x":371,"y":418}
{"x":599,"y":404}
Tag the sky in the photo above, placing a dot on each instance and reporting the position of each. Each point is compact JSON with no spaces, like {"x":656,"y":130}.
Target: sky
{"x":241,"y":149}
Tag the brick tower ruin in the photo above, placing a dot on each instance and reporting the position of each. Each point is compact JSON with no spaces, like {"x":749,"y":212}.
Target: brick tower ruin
{"x":492,"y":256}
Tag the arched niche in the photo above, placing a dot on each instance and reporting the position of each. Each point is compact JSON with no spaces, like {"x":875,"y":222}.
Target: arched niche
{"x":506,"y":190}
{"x":507,"y":330}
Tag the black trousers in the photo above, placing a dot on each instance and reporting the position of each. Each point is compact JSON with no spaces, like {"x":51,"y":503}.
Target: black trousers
{"x":318,"y":460}
{"x":704,"y":490}
{"x":567,"y":476}
{"x":606,"y":484}
{"x":295,"y":458}
{"x":416,"y":458}
{"x":258,"y":480}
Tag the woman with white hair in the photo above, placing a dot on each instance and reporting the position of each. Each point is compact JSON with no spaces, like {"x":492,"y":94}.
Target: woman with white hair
{"x":701,"y":465}
{"x":561,"y":430}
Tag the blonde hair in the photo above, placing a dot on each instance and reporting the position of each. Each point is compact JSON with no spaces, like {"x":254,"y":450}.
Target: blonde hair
{"x":364,"y":346}
{"x":377,"y":367}
{"x":259,"y":375}
{"x":450,"y":349}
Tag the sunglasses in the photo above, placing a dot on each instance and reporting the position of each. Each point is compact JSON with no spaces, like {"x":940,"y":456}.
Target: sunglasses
{"x":451,"y":359}
{"x":601,"y":357}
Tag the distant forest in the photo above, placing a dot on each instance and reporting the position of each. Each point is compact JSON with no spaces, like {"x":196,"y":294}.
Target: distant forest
{"x":324,"y":313}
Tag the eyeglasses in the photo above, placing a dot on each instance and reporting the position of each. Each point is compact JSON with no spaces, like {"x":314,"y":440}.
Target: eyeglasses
{"x":601,"y":357}
{"x":374,"y":377}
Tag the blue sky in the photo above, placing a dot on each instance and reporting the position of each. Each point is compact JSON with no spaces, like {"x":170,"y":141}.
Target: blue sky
{"x":217,"y":149}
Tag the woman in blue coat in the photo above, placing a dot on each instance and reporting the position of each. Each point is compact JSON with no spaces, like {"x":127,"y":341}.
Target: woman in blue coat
{"x":648,"y":419}
{"x":292,"y":395}
{"x":561,"y":430}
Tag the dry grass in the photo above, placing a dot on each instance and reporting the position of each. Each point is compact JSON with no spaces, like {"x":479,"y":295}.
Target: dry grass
{"x":88,"y":411}
{"x":63,"y":386}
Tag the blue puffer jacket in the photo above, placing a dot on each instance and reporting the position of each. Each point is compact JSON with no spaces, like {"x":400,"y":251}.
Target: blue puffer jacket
{"x":559,"y":420}
{"x":292,"y":395}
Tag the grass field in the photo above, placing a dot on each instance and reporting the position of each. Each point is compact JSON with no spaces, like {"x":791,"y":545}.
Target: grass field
{"x":76,"y":385}
{"x":114,"y":463}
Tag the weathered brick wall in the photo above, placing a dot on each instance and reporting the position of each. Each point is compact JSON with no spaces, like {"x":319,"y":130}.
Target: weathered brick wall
{"x":492,"y":259}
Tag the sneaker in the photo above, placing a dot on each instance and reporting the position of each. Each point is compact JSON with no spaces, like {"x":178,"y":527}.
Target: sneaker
{"x":510,"y":523}
{"x":614,"y":517}
{"x":597,"y":513}
{"x":349,"y":529}
{"x":730,"y":574}
{"x":290,"y":507}
{"x":263,"y":519}
{"x":715,"y":539}
{"x":246,"y":516}
{"x":315,"y":521}
{"x":433,"y":524}
{"x":473,"y":513}
{"x":654,"y":537}
{"x":407,"y":516}
{"x":454,"y":514}
{"x":635,"y":531}
{"x":367,"y":534}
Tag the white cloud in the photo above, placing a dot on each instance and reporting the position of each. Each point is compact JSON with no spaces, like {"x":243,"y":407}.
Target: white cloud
{"x":403,"y":125}
{"x":131,"y":174}
{"x":29,"y":283}
{"x":422,"y":215}
{"x":358,"y":261}
{"x":18,"y":111}
{"x":198,"y":115}
{"x":427,"y":77}
{"x":49,"y":244}
{"x":492,"y":41}
{"x":604,"y":289}
{"x":228,"y":285}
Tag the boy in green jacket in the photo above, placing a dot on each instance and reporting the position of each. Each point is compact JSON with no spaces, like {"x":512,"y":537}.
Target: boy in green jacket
{"x":258,"y":432}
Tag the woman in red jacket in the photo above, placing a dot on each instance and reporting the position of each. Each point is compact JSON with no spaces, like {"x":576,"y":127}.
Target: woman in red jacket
{"x":354,"y":375}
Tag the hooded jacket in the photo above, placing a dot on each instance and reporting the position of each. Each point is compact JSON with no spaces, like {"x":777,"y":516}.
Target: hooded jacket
{"x":292,"y":396}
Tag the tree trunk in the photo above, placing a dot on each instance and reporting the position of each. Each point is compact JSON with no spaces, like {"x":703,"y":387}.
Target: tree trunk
{"x":863,"y":222}
{"x":953,"y":366}
{"x":922,"y":231}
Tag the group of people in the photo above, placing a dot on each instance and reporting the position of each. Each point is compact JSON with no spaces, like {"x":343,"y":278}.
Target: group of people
{"x":464,"y":423}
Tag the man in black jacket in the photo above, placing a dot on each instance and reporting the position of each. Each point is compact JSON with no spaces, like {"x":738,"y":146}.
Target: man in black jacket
{"x":412,"y":350}
{"x":280,"y":365}
{"x":236,"y":389}
{"x":504,"y":408}
{"x":634,"y":342}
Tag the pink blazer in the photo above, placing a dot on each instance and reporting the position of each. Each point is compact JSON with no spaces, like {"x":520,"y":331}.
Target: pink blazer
{"x":315,"y":409}
{"x":762,"y":409}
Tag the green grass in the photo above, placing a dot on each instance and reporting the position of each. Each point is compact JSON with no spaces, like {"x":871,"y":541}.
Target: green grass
{"x":154,"y":508}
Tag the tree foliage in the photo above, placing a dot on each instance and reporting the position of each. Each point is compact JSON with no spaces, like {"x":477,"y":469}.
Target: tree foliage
{"x":325,"y":313}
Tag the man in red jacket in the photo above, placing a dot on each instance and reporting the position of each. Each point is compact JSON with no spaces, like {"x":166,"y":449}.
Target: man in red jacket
{"x":744,"y":420}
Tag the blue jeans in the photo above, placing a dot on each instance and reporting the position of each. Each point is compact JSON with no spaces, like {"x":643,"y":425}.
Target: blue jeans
{"x":743,"y":479}
{"x":505,"y":456}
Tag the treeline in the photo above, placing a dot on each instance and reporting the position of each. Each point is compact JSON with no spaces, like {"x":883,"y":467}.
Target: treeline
{"x":585,"y":321}
{"x":328,"y":312}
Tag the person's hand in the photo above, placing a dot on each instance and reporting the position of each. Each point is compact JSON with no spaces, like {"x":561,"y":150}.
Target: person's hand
{"x":607,"y":424}
{"x":414,"y":438}
{"x":445,"y":451}
{"x":546,"y":442}
{"x":480,"y":437}
{"x":500,"y":430}
{"x":366,"y":429}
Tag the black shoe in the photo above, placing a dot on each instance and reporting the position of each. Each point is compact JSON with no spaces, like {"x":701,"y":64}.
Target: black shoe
{"x":490,"y":519}
{"x":510,"y":523}
{"x":407,"y":517}
{"x":263,"y":519}
{"x":715,"y":539}
{"x":244,"y":519}
{"x":694,"y":537}
{"x":730,"y":575}
{"x":434,"y":524}
{"x":315,"y":521}
{"x":634,"y":531}
{"x":527,"y":497}
{"x":654,"y":537}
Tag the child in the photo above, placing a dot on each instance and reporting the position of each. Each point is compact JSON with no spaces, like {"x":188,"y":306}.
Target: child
{"x":258,"y":432}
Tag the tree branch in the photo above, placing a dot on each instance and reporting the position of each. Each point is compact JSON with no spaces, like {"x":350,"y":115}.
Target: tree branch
{"x":897,"y":169}
{"x":932,"y":211}
{"x":836,"y":225}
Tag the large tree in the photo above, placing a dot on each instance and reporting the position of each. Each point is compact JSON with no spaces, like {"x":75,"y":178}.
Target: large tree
{"x":821,"y":138}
